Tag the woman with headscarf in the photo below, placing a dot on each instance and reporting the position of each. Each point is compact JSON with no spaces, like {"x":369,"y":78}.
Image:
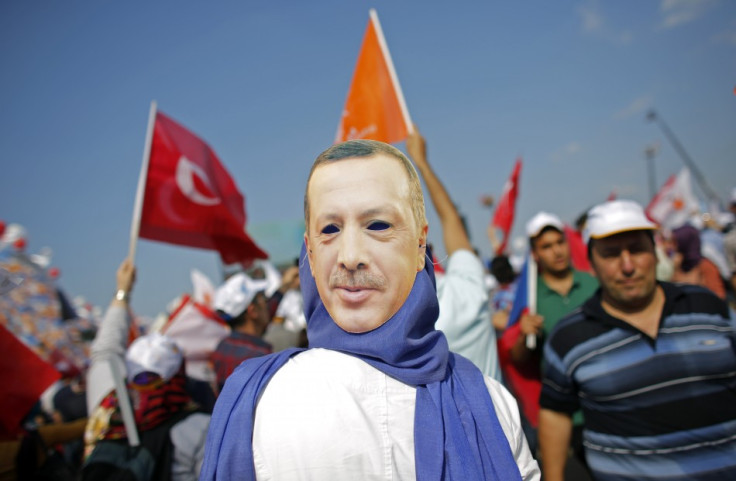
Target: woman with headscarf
{"x":690,"y":265}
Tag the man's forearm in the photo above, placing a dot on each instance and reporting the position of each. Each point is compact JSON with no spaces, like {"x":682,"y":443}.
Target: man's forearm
{"x":112,"y":337}
{"x":555,"y":431}
{"x":453,"y":230}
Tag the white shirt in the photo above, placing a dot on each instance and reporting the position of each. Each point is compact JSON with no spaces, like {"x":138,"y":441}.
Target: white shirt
{"x":465,"y":317}
{"x":291,"y":309}
{"x":326,"y":415}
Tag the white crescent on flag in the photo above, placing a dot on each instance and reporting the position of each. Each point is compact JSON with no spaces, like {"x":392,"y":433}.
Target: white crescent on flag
{"x":185,"y":171}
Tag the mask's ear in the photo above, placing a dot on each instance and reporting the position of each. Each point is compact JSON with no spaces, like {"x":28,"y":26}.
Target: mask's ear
{"x":309,"y":253}
{"x":422,"y":248}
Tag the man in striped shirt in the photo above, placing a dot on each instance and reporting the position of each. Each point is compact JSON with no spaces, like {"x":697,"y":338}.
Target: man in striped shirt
{"x":651,"y":364}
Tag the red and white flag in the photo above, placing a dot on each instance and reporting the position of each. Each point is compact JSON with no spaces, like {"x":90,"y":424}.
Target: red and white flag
{"x":190,"y":199}
{"x":675,"y":203}
{"x":375,"y":107}
{"x":24,"y":377}
{"x":197,"y":331}
{"x":578,"y":249}
{"x":503,"y":218}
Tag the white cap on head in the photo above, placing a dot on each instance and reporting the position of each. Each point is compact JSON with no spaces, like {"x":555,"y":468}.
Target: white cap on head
{"x":153,"y":353}
{"x":542,"y":220}
{"x":236,"y":294}
{"x":614,"y":217}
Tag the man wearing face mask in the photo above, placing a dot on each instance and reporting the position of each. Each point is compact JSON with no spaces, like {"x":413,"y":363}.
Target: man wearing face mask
{"x":378,"y":394}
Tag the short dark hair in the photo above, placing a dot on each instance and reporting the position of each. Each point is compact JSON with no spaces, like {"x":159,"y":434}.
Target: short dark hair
{"x":502,"y":270}
{"x":232,"y":322}
{"x":547,"y":228}
{"x":650,"y":234}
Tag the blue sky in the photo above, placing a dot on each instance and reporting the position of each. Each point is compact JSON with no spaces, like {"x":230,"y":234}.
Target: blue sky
{"x":564,"y":84}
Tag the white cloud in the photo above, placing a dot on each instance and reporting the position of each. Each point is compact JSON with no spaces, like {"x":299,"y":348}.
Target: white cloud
{"x":593,"y":23}
{"x":636,"y":107}
{"x":567,"y":151}
{"x":679,"y":12}
{"x":592,"y":19}
{"x":572,"y":148}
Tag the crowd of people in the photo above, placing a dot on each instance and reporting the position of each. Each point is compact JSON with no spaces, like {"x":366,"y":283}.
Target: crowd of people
{"x":371,"y":360}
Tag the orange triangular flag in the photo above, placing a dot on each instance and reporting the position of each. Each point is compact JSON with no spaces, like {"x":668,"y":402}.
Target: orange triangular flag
{"x":375,"y":107}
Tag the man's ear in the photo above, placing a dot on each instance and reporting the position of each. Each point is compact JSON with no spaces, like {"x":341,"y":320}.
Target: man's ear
{"x":250,"y":311}
{"x":422,"y":248}
{"x":309,"y":253}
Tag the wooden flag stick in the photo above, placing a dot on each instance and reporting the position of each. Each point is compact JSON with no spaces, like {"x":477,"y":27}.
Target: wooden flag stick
{"x":136,"y":222}
{"x":391,"y":69}
{"x":531,"y":289}
{"x":124,"y":402}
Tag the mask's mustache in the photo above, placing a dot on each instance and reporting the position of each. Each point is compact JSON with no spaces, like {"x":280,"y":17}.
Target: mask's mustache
{"x":357,"y":280}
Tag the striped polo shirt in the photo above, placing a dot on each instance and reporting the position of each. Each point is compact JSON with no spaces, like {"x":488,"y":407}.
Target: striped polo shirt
{"x":654,"y":409}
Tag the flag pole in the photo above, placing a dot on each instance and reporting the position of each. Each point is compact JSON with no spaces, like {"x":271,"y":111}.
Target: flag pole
{"x":136,"y":222}
{"x":126,"y":410}
{"x":531,"y":289}
{"x":391,"y":70}
{"x":652,"y":115}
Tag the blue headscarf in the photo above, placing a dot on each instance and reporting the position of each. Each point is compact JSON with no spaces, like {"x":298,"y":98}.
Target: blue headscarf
{"x":457,"y":435}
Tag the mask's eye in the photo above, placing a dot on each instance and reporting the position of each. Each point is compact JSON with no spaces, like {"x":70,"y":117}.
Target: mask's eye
{"x":330,"y":229}
{"x":378,"y":225}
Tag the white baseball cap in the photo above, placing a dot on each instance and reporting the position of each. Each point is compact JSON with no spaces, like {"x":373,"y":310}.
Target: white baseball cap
{"x":236,"y":294}
{"x":542,"y":220}
{"x":614,"y":217}
{"x":153,"y":353}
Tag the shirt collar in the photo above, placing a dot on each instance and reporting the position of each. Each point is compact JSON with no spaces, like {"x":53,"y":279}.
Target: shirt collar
{"x":593,"y":307}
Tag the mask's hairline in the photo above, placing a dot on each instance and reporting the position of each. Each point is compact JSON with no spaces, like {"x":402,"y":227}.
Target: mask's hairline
{"x":368,"y":150}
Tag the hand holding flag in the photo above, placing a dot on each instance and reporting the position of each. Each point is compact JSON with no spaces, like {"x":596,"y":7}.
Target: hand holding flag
{"x":525,"y":299}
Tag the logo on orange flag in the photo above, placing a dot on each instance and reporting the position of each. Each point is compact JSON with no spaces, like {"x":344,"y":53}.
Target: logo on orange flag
{"x":375,"y":107}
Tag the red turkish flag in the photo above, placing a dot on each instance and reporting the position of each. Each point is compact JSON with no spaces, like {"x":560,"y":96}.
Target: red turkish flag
{"x":24,"y":377}
{"x":375,"y":106}
{"x":503,"y":218}
{"x":578,"y":249}
{"x":190,"y":199}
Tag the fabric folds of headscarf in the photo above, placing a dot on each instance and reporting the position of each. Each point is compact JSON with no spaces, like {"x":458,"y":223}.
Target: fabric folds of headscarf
{"x":457,"y":435}
{"x":687,"y":239}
